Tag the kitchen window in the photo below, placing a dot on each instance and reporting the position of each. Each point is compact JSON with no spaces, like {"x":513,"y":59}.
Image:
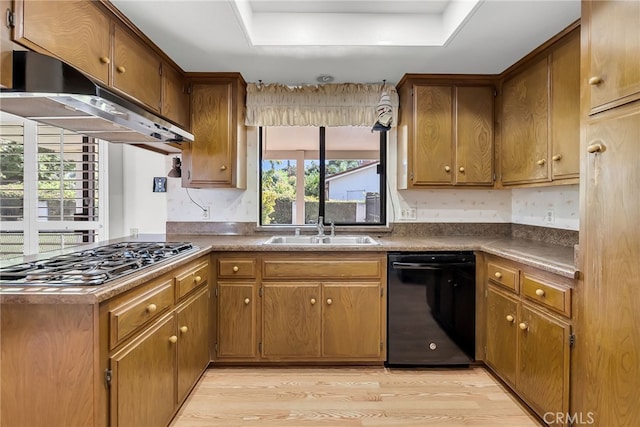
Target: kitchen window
{"x":337,"y":173}
{"x":50,"y":196}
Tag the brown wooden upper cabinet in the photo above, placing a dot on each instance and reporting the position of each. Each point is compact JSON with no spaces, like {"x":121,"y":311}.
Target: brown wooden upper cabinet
{"x":136,"y":69}
{"x":613,"y":52}
{"x":541,"y":117}
{"x":175,"y":96}
{"x":217,"y":157}
{"x":445,"y":134}
{"x":76,"y":31}
{"x":86,"y":35}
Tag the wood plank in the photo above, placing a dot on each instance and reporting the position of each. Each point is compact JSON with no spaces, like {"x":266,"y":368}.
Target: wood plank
{"x":345,"y":396}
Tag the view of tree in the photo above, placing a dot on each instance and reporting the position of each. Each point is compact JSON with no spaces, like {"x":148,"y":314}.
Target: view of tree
{"x":279,"y":182}
{"x":49,"y":175}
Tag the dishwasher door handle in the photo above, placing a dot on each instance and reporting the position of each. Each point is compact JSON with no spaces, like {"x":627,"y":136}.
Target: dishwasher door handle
{"x":414,"y":266}
{"x":426,"y":266}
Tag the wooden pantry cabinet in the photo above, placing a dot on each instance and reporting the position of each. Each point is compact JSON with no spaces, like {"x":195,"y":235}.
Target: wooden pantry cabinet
{"x":528,"y":332}
{"x":611,"y":53}
{"x":217,"y":157}
{"x":305,"y":307}
{"x":445,"y":134}
{"x":540,"y":116}
{"x":605,"y":370}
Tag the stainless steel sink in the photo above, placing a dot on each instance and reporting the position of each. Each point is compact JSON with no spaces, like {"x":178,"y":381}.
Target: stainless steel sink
{"x":322,"y":240}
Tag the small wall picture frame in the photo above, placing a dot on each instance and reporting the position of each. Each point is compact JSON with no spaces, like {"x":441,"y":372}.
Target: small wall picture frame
{"x":160,"y":184}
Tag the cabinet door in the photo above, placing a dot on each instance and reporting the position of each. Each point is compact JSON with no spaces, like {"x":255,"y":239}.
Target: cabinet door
{"x":136,"y":69}
{"x":543,"y":361}
{"x":474,"y":135}
{"x":143,"y":378}
{"x":209,"y":157}
{"x":291,"y":315}
{"x":237,"y":317}
{"x":502,"y":314}
{"x":351,"y":320}
{"x":613,"y":51}
{"x":76,"y":31}
{"x":175,"y":99}
{"x":524,"y":126}
{"x":193,"y":341}
{"x":564,"y":114}
{"x":432,"y":159}
{"x":608,"y":322}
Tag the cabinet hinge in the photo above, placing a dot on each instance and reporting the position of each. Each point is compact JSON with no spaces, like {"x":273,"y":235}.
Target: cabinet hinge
{"x":10,"y":20}
{"x":495,"y":93}
{"x":572,"y":340}
{"x":260,"y":347}
{"x":494,"y":177}
{"x":381,"y":345}
{"x":260,"y":291}
{"x":107,"y":378}
{"x":486,"y":294}
{"x":160,"y":70}
{"x":381,"y":291}
{"x":216,"y":291}
{"x":189,"y":89}
{"x":216,"y":347}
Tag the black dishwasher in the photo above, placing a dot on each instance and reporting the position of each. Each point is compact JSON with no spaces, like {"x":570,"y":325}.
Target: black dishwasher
{"x":431,"y":308}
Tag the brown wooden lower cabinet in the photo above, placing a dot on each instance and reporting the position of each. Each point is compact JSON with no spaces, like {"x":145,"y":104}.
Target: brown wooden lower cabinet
{"x":237,"y":309}
{"x":291,"y":318}
{"x":143,"y":387}
{"x":152,"y":371}
{"x":305,"y":307}
{"x":193,"y":342}
{"x":528,"y":344}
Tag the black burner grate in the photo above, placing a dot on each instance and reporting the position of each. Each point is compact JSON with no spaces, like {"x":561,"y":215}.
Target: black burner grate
{"x":93,"y":266}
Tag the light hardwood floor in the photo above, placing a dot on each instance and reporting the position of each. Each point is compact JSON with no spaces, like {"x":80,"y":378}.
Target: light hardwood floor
{"x":349,"y":396}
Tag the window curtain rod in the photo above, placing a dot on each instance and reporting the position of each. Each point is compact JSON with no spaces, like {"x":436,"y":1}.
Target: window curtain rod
{"x":333,"y":104}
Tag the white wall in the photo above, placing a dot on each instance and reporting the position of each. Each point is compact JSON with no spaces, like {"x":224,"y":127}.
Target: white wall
{"x":522,"y":206}
{"x":132,"y":202}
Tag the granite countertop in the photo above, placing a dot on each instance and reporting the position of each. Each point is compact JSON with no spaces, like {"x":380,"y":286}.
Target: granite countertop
{"x":549,"y":257}
{"x":545,"y":256}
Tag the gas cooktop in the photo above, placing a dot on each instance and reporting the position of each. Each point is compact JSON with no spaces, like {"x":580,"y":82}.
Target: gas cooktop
{"x":93,"y":267}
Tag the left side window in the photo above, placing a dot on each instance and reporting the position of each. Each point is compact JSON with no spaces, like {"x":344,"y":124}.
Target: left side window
{"x":49,"y":188}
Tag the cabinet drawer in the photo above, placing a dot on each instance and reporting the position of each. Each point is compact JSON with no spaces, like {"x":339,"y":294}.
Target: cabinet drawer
{"x":321,"y":269}
{"x":552,"y":296}
{"x":504,"y":276}
{"x":191,"y":279}
{"x":128,"y":317}
{"x":237,"y":267}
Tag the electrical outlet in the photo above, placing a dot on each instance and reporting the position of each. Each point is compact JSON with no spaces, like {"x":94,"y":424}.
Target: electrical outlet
{"x":549,"y":217}
{"x":206,"y":212}
{"x":409,"y":213}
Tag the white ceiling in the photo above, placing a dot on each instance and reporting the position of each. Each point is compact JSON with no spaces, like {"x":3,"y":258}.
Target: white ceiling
{"x":364,"y":41}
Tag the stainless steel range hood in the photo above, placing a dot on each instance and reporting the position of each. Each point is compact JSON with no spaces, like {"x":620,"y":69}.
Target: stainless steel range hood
{"x":49,"y":91}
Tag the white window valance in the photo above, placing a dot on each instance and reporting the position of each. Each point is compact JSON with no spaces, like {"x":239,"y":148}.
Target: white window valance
{"x":334,"y":104}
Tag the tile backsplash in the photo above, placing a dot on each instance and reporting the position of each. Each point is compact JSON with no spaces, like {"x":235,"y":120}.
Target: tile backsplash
{"x":553,"y":207}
